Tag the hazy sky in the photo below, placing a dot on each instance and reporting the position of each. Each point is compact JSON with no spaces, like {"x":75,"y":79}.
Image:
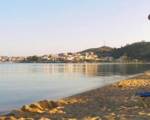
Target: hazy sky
{"x":30,"y":27}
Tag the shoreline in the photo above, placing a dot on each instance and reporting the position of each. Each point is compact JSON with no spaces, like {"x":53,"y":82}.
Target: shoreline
{"x":2,"y":113}
{"x":74,"y":62}
{"x":114,"y":101}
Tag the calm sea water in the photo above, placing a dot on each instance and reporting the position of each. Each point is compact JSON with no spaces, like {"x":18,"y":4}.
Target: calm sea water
{"x":26,"y":83}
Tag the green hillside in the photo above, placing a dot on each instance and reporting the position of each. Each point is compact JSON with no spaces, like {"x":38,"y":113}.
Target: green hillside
{"x":101,"y":51}
{"x":139,"y":50}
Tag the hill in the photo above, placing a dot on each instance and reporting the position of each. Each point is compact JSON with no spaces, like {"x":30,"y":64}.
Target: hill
{"x":139,"y":50}
{"x":103,"y":51}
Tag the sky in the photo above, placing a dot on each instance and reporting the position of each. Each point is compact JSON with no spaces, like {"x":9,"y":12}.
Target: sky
{"x":36,"y":27}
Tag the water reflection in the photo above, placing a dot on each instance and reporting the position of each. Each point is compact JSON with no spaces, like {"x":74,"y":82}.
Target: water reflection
{"x":93,"y":69}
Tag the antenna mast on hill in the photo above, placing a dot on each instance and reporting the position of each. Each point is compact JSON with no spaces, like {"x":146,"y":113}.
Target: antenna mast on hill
{"x":104,"y":43}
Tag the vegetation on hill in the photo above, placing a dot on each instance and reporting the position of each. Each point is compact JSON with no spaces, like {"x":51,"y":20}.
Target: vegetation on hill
{"x":100,"y":52}
{"x":139,"y":50}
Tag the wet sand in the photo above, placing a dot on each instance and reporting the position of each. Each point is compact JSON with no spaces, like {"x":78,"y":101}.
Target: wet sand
{"x":113,"y":102}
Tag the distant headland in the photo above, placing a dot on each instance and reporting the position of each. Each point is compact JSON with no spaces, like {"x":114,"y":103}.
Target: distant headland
{"x":136,"y":52}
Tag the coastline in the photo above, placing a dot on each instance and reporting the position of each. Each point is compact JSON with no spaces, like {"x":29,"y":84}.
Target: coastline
{"x":111,"y":102}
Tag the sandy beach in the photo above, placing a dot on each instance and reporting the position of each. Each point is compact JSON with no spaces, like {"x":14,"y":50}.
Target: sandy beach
{"x":113,"y":102}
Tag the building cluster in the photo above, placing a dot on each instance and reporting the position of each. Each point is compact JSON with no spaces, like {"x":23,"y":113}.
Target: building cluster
{"x":71,"y":57}
{"x":78,"y":57}
{"x":11,"y":59}
{"x":62,"y":57}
